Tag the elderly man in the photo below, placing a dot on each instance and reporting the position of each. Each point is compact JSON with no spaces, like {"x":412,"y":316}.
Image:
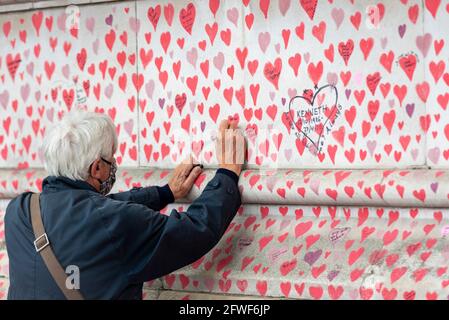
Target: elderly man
{"x":116,"y":241}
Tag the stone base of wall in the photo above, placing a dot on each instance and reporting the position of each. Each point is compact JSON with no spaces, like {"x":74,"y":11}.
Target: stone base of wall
{"x":375,"y":235}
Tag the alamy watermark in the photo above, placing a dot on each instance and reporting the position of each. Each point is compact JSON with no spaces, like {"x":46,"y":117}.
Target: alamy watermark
{"x":72,"y":281}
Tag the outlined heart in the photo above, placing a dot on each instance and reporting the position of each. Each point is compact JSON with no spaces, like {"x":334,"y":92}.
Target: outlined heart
{"x":311,"y":113}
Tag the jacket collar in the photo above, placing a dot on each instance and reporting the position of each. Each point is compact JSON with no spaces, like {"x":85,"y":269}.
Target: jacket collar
{"x":58,"y":183}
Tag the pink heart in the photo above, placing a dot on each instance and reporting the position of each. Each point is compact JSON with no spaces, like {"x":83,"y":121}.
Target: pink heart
{"x":4,"y":98}
{"x":284,"y":224}
{"x":95,"y":45}
{"x":353,"y":294}
{"x":128,"y":125}
{"x":271,"y":181}
{"x":21,"y":121}
{"x":30,"y":68}
{"x":292,"y":93}
{"x":134,"y":24}
{"x":192,"y":55}
{"x":275,"y":253}
{"x":192,"y":106}
{"x":284,"y":5}
{"x":371,"y":145}
{"x":332,"y":78}
{"x":383,"y":42}
{"x":209,"y":283}
{"x":50,"y":114}
{"x":307,"y":57}
{"x":277,"y":47}
{"x":233,"y":15}
{"x":219,"y":61}
{"x":149,"y":88}
{"x":109,"y":91}
{"x":66,"y":71}
{"x":314,"y":185}
{"x":434,"y":154}
{"x":61,"y":21}
{"x":90,"y":24}
{"x":25,"y":92}
{"x":423,"y":43}
{"x":338,"y":16}
{"x":264,"y":41}
{"x":37,"y":96}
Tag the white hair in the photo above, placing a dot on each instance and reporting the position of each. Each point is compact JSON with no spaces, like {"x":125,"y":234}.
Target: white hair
{"x":72,"y":144}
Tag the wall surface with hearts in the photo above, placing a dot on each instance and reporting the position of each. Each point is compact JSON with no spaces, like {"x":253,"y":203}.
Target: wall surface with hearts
{"x":314,"y":83}
{"x":320,"y":87}
{"x":372,"y":234}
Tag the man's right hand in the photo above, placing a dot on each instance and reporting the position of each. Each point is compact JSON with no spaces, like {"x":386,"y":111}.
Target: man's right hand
{"x":230,"y":146}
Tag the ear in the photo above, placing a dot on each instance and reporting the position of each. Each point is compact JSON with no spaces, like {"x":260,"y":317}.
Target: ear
{"x":95,"y":169}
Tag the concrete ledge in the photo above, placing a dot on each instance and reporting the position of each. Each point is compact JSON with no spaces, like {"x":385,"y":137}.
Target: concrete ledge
{"x":304,"y":251}
{"x":186,"y":295}
{"x":5,"y":8}
{"x":13,"y":6}
{"x":383,"y":188}
{"x":317,"y":252}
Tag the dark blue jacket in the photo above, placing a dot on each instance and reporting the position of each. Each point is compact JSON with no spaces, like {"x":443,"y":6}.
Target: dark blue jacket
{"x":117,"y":241}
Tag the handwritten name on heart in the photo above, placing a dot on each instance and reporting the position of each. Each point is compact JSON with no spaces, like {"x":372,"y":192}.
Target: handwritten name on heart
{"x":273,"y":71}
{"x":187,"y":17}
{"x":313,"y":115}
{"x":310,"y":7}
{"x":13,"y":63}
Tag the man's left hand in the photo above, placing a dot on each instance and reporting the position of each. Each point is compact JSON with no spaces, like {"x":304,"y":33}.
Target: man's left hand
{"x":183,"y":177}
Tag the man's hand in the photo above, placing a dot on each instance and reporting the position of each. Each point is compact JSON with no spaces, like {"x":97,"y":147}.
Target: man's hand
{"x":183,"y":177}
{"x":231,"y":146}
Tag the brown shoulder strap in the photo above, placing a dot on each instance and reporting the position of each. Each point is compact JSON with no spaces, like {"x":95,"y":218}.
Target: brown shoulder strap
{"x":42,"y":245}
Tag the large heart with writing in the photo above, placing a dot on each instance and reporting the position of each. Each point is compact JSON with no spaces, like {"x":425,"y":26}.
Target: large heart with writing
{"x":313,"y":115}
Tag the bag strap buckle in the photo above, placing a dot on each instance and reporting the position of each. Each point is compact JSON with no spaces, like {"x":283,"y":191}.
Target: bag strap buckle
{"x":41,"y":242}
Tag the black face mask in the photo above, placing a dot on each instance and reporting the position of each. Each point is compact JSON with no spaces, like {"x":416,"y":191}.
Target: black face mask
{"x":106,"y":186}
